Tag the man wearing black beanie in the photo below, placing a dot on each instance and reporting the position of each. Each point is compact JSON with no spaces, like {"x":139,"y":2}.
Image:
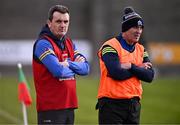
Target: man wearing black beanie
{"x":124,"y":63}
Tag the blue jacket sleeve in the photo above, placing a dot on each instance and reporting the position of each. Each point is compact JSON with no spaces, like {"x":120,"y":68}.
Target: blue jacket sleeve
{"x":143,"y":74}
{"x":80,"y":68}
{"x":113,"y":66}
{"x":44,"y":51}
{"x":146,"y":75}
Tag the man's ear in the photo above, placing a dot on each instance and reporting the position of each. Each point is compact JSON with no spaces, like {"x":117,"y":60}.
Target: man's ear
{"x":48,"y":23}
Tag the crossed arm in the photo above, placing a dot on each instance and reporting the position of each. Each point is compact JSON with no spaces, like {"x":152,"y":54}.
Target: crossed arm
{"x":122,"y":71}
{"x":65,"y":69}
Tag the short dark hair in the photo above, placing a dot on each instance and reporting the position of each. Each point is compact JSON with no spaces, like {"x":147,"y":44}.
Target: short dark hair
{"x":59,"y":8}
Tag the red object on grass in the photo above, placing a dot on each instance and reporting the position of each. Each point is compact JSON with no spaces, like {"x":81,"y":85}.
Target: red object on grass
{"x":23,"y":88}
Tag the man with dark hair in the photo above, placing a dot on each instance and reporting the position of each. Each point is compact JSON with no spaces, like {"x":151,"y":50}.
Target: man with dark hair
{"x":123,"y":64}
{"x":56,"y":61}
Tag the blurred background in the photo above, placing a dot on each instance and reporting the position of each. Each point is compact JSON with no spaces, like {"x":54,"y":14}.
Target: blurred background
{"x":91,"y":23}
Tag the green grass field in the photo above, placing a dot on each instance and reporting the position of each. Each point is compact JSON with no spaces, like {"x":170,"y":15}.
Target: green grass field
{"x":160,"y":103}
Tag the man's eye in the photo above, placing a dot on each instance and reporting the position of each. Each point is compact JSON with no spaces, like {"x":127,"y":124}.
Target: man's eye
{"x":66,"y":21}
{"x":58,"y":21}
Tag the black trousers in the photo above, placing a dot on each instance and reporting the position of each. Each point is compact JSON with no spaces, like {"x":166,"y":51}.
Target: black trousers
{"x":120,"y":111}
{"x":56,"y":117}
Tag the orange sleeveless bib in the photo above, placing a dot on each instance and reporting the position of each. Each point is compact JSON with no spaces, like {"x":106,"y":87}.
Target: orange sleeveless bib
{"x":120,"y":89}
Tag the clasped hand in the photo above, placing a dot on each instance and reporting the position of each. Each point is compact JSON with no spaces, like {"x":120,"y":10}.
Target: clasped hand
{"x":77,"y":59}
{"x":145,"y":65}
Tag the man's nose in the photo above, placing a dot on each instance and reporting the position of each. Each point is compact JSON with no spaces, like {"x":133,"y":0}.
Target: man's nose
{"x":62,"y":23}
{"x":139,"y":29}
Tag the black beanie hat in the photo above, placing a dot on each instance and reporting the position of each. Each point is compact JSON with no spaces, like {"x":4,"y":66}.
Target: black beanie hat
{"x":131,"y":19}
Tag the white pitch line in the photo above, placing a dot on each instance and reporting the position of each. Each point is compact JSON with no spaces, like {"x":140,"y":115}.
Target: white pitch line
{"x":9,"y":117}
